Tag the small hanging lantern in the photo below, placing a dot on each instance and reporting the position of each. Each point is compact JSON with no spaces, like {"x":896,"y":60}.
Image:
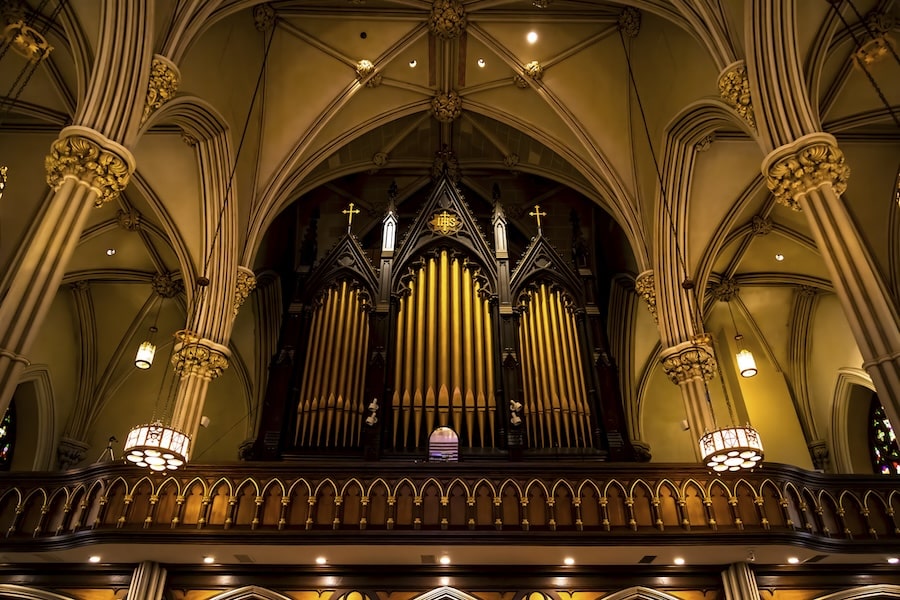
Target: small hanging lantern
{"x":146,"y":351}
{"x":746,"y":362}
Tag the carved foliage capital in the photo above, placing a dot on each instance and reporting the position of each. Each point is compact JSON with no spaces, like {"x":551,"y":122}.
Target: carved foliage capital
{"x":198,"y":356}
{"x":246,"y":283}
{"x":164,"y":79}
{"x":103,"y":168}
{"x":688,"y":361}
{"x":645,"y":286}
{"x":734,"y":87}
{"x":798,"y":168}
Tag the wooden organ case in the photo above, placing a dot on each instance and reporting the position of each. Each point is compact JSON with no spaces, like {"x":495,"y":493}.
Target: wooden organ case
{"x":444,"y":332}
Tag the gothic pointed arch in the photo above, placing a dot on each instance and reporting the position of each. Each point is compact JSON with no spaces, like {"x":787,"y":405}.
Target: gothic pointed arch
{"x":250,"y":592}
{"x":445,"y":593}
{"x":20,"y":592}
{"x":639,"y":592}
{"x":345,"y":261}
{"x":542,"y":261}
{"x":881,"y":590}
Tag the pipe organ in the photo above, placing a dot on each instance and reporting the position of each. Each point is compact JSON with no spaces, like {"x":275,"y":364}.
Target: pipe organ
{"x":444,"y":373}
{"x":331,"y":402}
{"x":432,"y":338}
{"x":557,"y":414}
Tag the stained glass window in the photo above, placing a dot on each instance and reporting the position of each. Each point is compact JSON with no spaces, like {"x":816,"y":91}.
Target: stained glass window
{"x":7,"y":437}
{"x":885,"y":452}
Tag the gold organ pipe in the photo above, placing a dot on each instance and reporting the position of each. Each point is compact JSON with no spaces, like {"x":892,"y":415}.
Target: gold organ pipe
{"x":398,"y":370}
{"x":468,"y":344}
{"x":562,"y":316}
{"x":444,"y":338}
{"x":420,"y":357}
{"x":579,"y":378}
{"x":527,"y":376}
{"x":544,"y":399}
{"x":551,"y":366}
{"x":456,"y":327}
{"x":353,"y":367}
{"x":307,"y":376}
{"x":322,"y":362}
{"x":559,"y":366}
{"x":359,"y":374}
{"x":489,"y":369}
{"x":431,"y":347}
{"x":535,"y":368}
{"x":408,"y":355}
{"x":479,"y":362}
{"x":340,"y":340}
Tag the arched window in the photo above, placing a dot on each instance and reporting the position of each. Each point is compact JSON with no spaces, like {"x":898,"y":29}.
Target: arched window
{"x":885,"y":452}
{"x":8,"y":437}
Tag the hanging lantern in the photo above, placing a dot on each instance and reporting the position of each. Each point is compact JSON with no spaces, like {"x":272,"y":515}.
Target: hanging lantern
{"x":731,"y":449}
{"x":746,"y":362}
{"x":145,"y":353}
{"x":156,"y":446}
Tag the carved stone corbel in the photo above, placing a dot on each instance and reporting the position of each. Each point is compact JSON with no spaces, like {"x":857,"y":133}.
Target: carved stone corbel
{"x":164,"y":80}
{"x":689,"y":360}
{"x":645,"y":286}
{"x":734,"y":87}
{"x":246,"y":283}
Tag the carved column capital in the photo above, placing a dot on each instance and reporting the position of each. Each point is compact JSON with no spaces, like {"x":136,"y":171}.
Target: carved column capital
{"x":164,"y":80}
{"x":818,"y":450}
{"x":689,"y":360}
{"x":734,"y":87}
{"x":92,"y":159}
{"x":70,"y":452}
{"x":645,"y":286}
{"x":803,"y":165}
{"x":246,"y":283}
{"x":199,"y":356}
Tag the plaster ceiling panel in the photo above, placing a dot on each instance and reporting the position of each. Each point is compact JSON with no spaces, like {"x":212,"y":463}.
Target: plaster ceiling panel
{"x":770,"y":309}
{"x":116,"y":306}
{"x":363,"y":110}
{"x":169,"y":168}
{"x":26,"y":189}
{"x":56,"y":346}
{"x":527,"y":111}
{"x":808,"y":25}
{"x":399,"y":68}
{"x":719,"y":179}
{"x":790,"y":218}
{"x":857,"y":95}
{"x":130,"y":253}
{"x":594,"y":90}
{"x":871,"y":193}
{"x":798,"y":259}
{"x":301,"y":83}
{"x":41,"y":91}
{"x":355,"y":36}
{"x":553,"y":38}
{"x":495,"y":69}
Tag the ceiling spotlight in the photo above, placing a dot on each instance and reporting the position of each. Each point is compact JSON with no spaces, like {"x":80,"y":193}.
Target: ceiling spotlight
{"x":481,"y":63}
{"x":531,"y":37}
{"x":893,"y":560}
{"x":321,"y":560}
{"x":779,"y":257}
{"x":209,"y":560}
{"x":445,"y":581}
{"x":793,"y":560}
{"x":94,"y":559}
{"x":569,"y":561}
{"x":413,"y":63}
{"x":678,"y":560}
{"x":445,"y":560}
{"x":110,"y":251}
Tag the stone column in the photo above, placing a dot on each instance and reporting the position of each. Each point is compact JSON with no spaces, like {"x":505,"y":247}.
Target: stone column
{"x":809,"y":174}
{"x":196,"y":361}
{"x":148,"y":582}
{"x":690,"y":365}
{"x":739,"y":582}
{"x":85,"y":169}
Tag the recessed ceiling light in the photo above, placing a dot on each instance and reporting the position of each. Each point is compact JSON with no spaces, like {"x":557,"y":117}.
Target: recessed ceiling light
{"x":893,"y":560}
{"x":678,"y":560}
{"x":481,"y":63}
{"x":209,"y":560}
{"x":413,"y":63}
{"x":779,"y":257}
{"x":94,"y":559}
{"x":569,"y":561}
{"x":445,"y":560}
{"x":445,"y":581}
{"x":793,"y":560}
{"x":531,"y":37}
{"x":110,"y":251}
{"x":321,"y":560}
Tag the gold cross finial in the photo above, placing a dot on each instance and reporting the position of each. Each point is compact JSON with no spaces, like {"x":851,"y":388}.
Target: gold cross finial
{"x":537,"y":214}
{"x":350,"y":212}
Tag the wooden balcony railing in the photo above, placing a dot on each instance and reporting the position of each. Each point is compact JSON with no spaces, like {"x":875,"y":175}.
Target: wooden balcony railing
{"x":376,"y":502}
